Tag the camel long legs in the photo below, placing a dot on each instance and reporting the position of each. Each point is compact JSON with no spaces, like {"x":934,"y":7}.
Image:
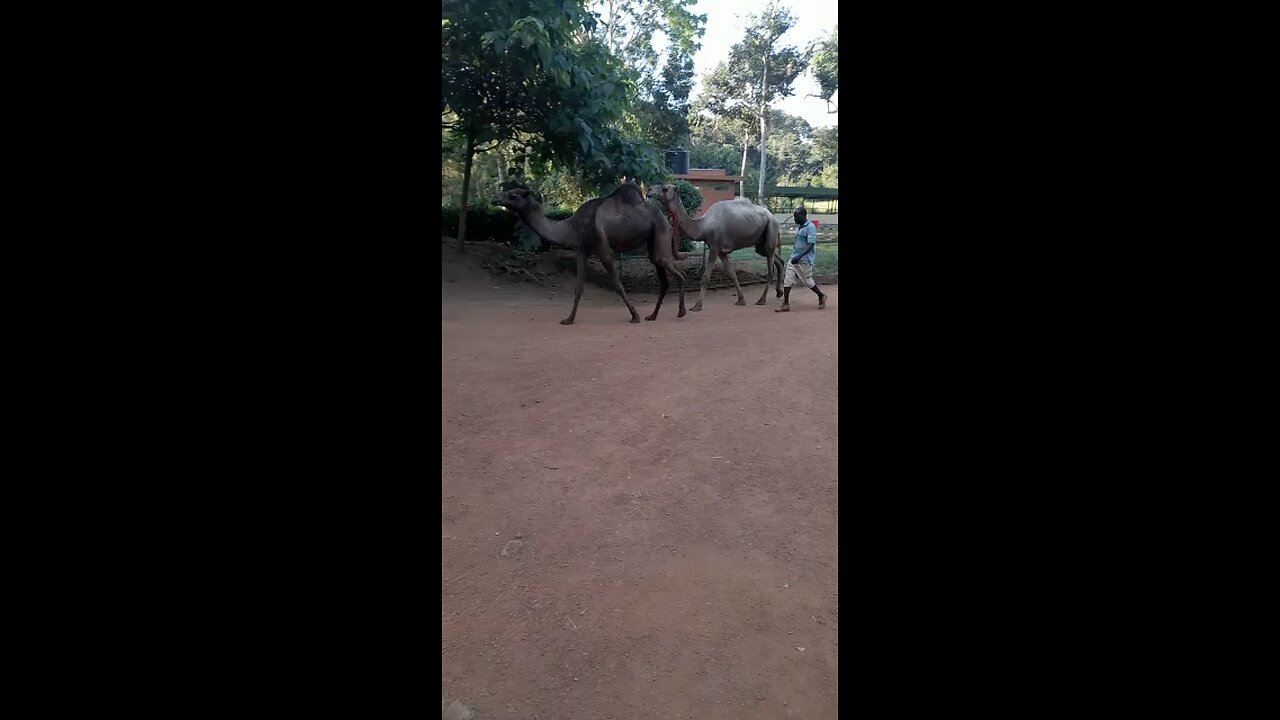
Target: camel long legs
{"x":606,"y":259}
{"x":768,"y":277}
{"x":733,"y":275}
{"x":662,"y":291}
{"x":577,"y":290}
{"x":671,"y":266}
{"x":776,"y":270}
{"x":706,"y":278}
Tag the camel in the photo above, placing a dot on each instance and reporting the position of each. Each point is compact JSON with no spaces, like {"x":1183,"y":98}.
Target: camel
{"x":729,"y":225}
{"x":618,"y":222}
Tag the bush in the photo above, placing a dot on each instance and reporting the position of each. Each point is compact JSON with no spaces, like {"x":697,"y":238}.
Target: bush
{"x":485,"y":222}
{"x":691,"y":199}
{"x":524,"y":237}
{"x":490,"y":223}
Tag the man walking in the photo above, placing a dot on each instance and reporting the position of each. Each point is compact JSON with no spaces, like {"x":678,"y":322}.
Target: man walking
{"x":801,"y":263}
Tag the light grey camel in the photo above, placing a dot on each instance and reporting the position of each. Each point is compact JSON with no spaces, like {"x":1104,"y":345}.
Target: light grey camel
{"x":618,"y":222}
{"x":729,"y":225}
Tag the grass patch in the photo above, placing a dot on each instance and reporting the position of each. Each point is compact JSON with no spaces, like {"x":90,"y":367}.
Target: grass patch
{"x":827,"y":256}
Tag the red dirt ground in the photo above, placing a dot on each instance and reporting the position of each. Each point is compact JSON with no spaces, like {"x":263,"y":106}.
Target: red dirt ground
{"x":665,"y":495}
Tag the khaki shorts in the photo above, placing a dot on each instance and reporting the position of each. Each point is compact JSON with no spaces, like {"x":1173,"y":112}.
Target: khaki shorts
{"x":802,"y":271}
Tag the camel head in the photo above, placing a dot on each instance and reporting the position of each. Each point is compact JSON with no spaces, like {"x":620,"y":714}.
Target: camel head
{"x":666,"y":194}
{"x":518,"y":200}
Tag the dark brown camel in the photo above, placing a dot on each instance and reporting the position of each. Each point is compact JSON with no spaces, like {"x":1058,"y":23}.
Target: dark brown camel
{"x":729,"y":225}
{"x":618,"y":222}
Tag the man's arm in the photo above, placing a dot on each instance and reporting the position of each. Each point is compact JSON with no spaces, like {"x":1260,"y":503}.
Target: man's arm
{"x":813,"y":239}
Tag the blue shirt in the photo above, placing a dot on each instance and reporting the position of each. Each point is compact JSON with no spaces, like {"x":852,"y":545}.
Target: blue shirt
{"x":806,"y":234}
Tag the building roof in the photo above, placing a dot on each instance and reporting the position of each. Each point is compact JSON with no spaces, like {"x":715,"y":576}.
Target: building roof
{"x":711,"y":174}
{"x":800,"y":192}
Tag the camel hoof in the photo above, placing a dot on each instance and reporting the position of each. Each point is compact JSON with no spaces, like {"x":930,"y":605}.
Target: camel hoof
{"x":635,"y":318}
{"x":741,"y":302}
{"x":682,"y":313}
{"x":762,"y":301}
{"x":696,"y":309}
{"x":650,"y":318}
{"x":567,"y":321}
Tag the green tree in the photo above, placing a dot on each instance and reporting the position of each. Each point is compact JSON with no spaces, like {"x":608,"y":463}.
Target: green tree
{"x":690,"y":196}
{"x":790,"y":153}
{"x":530,"y":70}
{"x":826,"y":62}
{"x":758,"y":72}
{"x":829,"y":177}
{"x":628,"y":28}
{"x":731,"y":115}
{"x":777,"y":68}
{"x":792,"y":160}
{"x":668,"y":109}
{"x":794,"y":124}
{"x":492,"y":57}
{"x":826,"y":146}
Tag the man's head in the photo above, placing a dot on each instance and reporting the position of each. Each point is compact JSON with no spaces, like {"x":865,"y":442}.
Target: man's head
{"x":800,"y":214}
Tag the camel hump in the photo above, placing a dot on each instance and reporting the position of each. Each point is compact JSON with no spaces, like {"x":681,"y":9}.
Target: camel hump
{"x":628,"y":194}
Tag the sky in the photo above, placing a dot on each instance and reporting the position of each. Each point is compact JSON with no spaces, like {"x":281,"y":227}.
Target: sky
{"x":725,"y":22}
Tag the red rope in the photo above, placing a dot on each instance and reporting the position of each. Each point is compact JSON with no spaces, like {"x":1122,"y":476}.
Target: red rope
{"x":675,"y":237}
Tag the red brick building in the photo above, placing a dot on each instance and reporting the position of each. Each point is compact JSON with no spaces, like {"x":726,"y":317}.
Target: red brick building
{"x":714,"y":184}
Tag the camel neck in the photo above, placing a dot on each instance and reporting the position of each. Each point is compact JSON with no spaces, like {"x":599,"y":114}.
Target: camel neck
{"x":556,"y":233}
{"x":691,"y":227}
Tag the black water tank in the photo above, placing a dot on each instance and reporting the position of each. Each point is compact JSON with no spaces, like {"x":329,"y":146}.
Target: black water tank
{"x":678,"y":161}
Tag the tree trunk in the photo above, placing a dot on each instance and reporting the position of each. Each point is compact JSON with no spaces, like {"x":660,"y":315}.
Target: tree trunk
{"x":764,"y":130}
{"x":502,"y":165}
{"x":746,"y":140}
{"x":466,"y":193}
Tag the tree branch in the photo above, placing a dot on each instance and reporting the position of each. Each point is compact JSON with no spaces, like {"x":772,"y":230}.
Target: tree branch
{"x":827,"y":101}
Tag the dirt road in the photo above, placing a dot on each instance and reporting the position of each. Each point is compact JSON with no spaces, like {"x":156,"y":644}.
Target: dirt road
{"x":638,"y":520}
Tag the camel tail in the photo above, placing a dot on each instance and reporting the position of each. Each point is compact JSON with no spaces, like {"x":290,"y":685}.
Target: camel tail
{"x":671,"y":268}
{"x":769,"y":246}
{"x":768,"y":240}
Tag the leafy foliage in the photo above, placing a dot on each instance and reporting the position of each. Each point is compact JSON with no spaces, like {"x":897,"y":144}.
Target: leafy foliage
{"x":826,"y":145}
{"x":738,"y":91}
{"x":627,"y":28}
{"x":826,"y":62}
{"x":495,"y":224}
{"x":664,"y":118}
{"x":531,"y":70}
{"x":690,"y":196}
{"x":740,"y":82}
